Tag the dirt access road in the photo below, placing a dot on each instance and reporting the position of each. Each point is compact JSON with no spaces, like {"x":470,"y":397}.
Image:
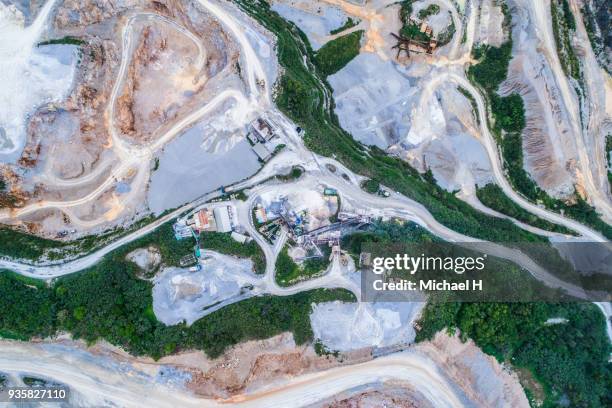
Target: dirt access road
{"x":99,"y":383}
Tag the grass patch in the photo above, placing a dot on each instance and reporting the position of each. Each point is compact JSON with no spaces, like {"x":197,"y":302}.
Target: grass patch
{"x":564,"y":26}
{"x":314,"y":266}
{"x":430,"y":10}
{"x":412,"y":30}
{"x":295,"y":173}
{"x":335,"y":54}
{"x":371,"y":186}
{"x":23,"y":246}
{"x":597,"y":24}
{"x":27,"y":310}
{"x":405,"y":10}
{"x":492,"y":68}
{"x":288,"y":272}
{"x":609,"y":157}
{"x":348,"y":24}
{"x":16,"y":244}
{"x":34,"y":381}
{"x":447,"y":35}
{"x":68,"y":40}
{"x":387,"y":233}
{"x":493,"y":197}
{"x":225,"y":244}
{"x":470,"y":98}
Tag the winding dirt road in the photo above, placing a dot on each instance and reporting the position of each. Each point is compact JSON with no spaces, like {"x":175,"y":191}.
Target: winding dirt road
{"x":491,"y":148}
{"x":98,"y":381}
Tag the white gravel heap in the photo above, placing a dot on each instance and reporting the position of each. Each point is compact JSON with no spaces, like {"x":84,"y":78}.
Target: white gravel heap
{"x":350,"y":326}
{"x":182,"y":295}
{"x":373,"y":100}
{"x":315,"y":19}
{"x":30,"y":76}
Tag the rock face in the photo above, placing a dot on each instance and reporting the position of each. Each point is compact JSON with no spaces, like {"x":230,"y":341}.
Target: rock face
{"x":167,"y":74}
{"x":83,"y":13}
{"x":404,"y":397}
{"x":255,"y":364}
{"x":548,"y":145}
{"x":490,"y":20}
{"x":547,"y":158}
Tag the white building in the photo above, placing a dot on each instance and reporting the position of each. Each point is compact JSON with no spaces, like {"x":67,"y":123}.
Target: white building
{"x":223,"y":218}
{"x":243,"y":239}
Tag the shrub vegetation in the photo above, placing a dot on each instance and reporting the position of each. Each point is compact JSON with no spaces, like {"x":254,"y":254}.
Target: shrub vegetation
{"x":335,"y":54}
{"x":225,"y":244}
